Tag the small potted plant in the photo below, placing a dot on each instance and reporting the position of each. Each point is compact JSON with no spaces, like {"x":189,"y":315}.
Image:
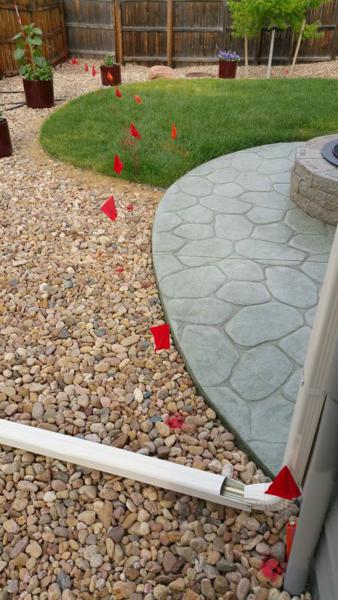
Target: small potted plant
{"x":228,"y":61}
{"x":110,"y":71}
{"x":5,"y":138}
{"x":36,"y":71}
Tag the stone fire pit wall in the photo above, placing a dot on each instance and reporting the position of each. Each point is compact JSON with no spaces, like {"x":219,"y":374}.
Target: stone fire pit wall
{"x":314,"y":181}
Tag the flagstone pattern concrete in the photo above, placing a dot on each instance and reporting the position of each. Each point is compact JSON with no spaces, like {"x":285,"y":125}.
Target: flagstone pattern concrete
{"x":239,"y":268}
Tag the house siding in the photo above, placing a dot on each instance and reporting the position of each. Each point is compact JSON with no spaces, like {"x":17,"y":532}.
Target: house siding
{"x":324,"y":572}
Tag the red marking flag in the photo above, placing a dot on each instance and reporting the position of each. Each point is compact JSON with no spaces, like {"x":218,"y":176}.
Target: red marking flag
{"x":93,"y":71}
{"x":175,"y":422}
{"x":118,"y":93}
{"x":118,"y":164}
{"x":138,"y":99}
{"x":74,"y":61}
{"x":173,"y":132}
{"x":130,"y":207}
{"x":134,"y":132}
{"x":161,"y":335}
{"x":86,"y":68}
{"x":109,"y":208}
{"x":271,"y":569}
{"x":119,"y":269}
{"x":284,"y":486}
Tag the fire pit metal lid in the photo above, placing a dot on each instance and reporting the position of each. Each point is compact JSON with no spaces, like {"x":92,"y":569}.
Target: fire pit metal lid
{"x":330,"y":152}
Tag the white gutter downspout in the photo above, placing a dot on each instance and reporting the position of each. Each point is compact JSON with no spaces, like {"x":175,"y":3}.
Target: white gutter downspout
{"x":171,"y":476}
{"x":318,"y":491}
{"x":320,"y":355}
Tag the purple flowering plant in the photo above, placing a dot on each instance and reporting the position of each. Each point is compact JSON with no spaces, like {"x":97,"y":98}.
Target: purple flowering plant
{"x":228,"y":55}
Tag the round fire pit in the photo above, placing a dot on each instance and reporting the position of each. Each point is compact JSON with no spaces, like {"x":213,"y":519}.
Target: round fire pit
{"x":314,"y":180}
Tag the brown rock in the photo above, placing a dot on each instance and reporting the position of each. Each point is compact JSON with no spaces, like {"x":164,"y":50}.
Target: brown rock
{"x":161,"y":72}
{"x":170,"y":562}
{"x":123,"y":590}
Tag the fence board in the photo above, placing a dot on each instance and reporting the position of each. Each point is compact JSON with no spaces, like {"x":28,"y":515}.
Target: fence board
{"x":46,"y":14}
{"x":166,"y":31}
{"x":98,"y":38}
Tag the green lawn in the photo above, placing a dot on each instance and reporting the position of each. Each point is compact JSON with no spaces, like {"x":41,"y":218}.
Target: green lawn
{"x":213,"y":117}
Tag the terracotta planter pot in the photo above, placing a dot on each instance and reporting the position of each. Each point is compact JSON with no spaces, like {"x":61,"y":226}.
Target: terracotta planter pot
{"x":39,"y":94}
{"x":227,"y":69}
{"x":5,"y":139}
{"x":110,"y":75}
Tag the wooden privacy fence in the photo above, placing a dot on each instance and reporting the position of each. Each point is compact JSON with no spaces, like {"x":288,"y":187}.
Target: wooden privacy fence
{"x":46,"y":14}
{"x":180,"y":31}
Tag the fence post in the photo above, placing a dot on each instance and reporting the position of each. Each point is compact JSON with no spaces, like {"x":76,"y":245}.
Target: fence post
{"x":333,"y":51}
{"x":170,"y":32}
{"x":118,"y":32}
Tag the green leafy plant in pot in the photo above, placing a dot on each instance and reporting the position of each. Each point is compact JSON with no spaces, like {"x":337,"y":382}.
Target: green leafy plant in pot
{"x":36,"y":71}
{"x":5,"y":138}
{"x":110,"y":71}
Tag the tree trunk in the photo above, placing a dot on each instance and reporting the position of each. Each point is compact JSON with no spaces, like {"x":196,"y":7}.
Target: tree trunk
{"x":297,"y":48}
{"x":246,"y":56}
{"x":272,"y":43}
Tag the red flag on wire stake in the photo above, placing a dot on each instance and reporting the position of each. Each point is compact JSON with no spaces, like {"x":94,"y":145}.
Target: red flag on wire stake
{"x":74,"y":61}
{"x":134,"y":132}
{"x":93,"y":71}
{"x":119,"y":269}
{"x":284,"y":486}
{"x":130,"y":207}
{"x":272,"y":570}
{"x":138,"y":99}
{"x":118,"y":93}
{"x":175,"y":422}
{"x":173,"y":132}
{"x":118,"y":164}
{"x":109,"y":208}
{"x":161,"y":335}
{"x":86,"y":68}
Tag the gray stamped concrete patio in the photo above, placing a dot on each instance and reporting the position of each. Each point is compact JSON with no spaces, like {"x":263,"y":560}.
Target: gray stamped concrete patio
{"x":239,"y":268}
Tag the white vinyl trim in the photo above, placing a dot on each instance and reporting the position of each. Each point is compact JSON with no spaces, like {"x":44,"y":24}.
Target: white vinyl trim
{"x":320,"y":355}
{"x":129,"y":465}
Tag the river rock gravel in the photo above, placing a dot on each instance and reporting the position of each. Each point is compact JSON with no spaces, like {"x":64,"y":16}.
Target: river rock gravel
{"x":77,"y":300}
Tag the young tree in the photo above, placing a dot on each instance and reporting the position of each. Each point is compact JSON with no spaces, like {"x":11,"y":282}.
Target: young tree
{"x":245,"y":22}
{"x":306,"y":31}
{"x":280,"y":14}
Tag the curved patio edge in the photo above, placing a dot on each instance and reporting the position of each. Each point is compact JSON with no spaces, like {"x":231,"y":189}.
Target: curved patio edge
{"x":238,"y":269}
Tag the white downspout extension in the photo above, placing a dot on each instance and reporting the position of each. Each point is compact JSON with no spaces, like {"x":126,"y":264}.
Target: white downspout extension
{"x":130,"y":465}
{"x":321,"y":354}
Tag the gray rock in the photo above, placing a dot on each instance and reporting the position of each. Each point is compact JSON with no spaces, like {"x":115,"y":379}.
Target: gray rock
{"x":207,"y":590}
{"x":243,"y":589}
{"x":63,"y":580}
{"x":199,"y":545}
{"x":187,"y":553}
